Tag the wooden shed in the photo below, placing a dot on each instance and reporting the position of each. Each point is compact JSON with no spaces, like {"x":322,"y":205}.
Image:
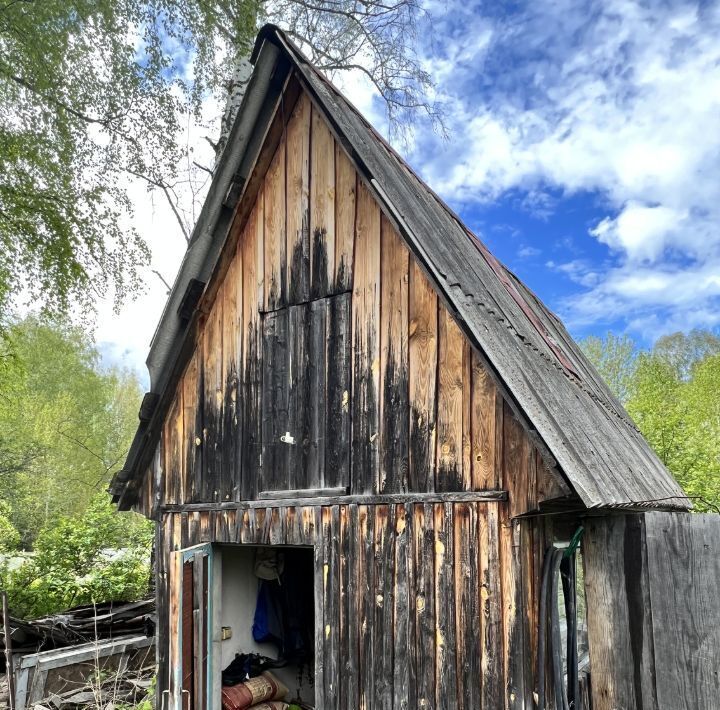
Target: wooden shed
{"x":345,"y":374}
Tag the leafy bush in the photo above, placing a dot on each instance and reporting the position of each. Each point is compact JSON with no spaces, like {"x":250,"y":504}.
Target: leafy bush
{"x":99,"y":556}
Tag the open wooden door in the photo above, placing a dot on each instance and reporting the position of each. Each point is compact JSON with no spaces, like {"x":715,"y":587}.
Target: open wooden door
{"x":191,"y":615}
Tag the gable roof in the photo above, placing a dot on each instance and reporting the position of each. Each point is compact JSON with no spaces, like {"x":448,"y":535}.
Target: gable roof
{"x":537,"y":363}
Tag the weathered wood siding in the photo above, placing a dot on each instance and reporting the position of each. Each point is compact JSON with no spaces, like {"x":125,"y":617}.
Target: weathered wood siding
{"x":652,"y":585}
{"x":417,"y":600}
{"x":325,"y":359}
{"x":323,"y":326}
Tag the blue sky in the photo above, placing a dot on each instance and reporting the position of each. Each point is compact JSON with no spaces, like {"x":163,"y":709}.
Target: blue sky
{"x":583,"y":147}
{"x":585,"y":150}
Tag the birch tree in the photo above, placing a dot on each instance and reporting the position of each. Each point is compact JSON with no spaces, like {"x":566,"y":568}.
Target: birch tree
{"x":95,"y":91}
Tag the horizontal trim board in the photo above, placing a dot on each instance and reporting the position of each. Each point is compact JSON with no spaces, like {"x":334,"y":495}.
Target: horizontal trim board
{"x":389,"y":499}
{"x":303,"y":493}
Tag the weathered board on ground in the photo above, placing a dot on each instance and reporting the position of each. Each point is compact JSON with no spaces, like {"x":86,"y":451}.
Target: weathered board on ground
{"x":652,"y":583}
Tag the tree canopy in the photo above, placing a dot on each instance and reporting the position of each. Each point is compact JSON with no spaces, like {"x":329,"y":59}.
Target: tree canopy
{"x":65,"y":423}
{"x":94,"y":91}
{"x":671,"y":392}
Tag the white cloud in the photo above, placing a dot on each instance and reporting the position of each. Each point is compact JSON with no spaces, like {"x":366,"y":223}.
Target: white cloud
{"x":639,"y":231}
{"x":617,"y":98}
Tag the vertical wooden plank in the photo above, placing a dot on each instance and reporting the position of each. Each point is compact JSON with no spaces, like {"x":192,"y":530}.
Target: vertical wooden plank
{"x":383,"y":596}
{"x":317,"y":374}
{"x":491,"y":606}
{"x":449,"y":475}
{"x":198,"y":636}
{"x":344,"y":618}
{"x":175,"y":626}
{"x":366,"y":355}
{"x":467,"y":612}
{"x":401,"y":625}
{"x":162,"y":602}
{"x":299,"y":403}
{"x":515,"y":657}
{"x":345,"y":190}
{"x":467,"y":416}
{"x":322,"y":207}
{"x":275,"y":239}
{"x":321,"y":552}
{"x":422,"y":674}
{"x":516,"y":459}
{"x":230,"y":363}
{"x":298,"y":196}
{"x":173,"y":441}
{"x":331,"y":607}
{"x":339,"y":374}
{"x":275,"y":384}
{"x":445,"y":655}
{"x":423,"y":316}
{"x":483,"y":417}
{"x":394,"y":365}
{"x":684,"y":550}
{"x":611,"y":650}
{"x":192,"y":425}
{"x":213,"y":386}
{"x":354,"y":601}
{"x":366,"y":606}
{"x":252,"y":251}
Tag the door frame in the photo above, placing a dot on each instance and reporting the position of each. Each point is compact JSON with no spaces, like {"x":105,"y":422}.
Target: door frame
{"x":178,"y":560}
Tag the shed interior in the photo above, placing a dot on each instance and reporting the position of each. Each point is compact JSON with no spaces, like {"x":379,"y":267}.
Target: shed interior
{"x":252,"y":608}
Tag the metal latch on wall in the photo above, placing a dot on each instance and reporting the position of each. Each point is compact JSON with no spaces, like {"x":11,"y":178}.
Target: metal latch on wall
{"x":287,"y":438}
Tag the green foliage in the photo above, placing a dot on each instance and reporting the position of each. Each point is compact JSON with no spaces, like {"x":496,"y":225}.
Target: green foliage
{"x":614,"y":357}
{"x":672,"y":392}
{"x":90,"y":91}
{"x":9,"y":536}
{"x":65,"y":423}
{"x":102,"y":555}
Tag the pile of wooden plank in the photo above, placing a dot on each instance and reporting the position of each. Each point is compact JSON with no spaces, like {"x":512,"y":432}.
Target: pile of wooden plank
{"x":105,"y":691}
{"x":80,"y":625}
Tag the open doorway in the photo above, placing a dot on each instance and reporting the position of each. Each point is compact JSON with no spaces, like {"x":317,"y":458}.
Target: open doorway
{"x":264,"y":618}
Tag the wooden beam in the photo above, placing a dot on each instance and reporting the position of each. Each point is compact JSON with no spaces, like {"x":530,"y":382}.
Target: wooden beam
{"x":389,"y":499}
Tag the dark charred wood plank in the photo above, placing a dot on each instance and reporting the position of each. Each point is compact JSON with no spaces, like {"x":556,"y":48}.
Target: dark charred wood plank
{"x":402,"y":615}
{"x":213,"y":386}
{"x":322,"y":207}
{"x":491,"y":606}
{"x":354,"y":602}
{"x":449,"y":474}
{"x":394,"y":363}
{"x":423,"y":317}
{"x":252,"y":260}
{"x":229,"y":479}
{"x":173,"y":445}
{"x":467,"y":612}
{"x":300,"y":409}
{"x":193,"y":426}
{"x":331,"y":627}
{"x":345,"y":193}
{"x":366,"y":606}
{"x":422,"y":673}
{"x":316,"y":367}
{"x":383,"y":597}
{"x":298,"y":199}
{"x":366,"y":355}
{"x":445,"y":651}
{"x":275,"y":236}
{"x":339,"y":380}
{"x":275,"y":391}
